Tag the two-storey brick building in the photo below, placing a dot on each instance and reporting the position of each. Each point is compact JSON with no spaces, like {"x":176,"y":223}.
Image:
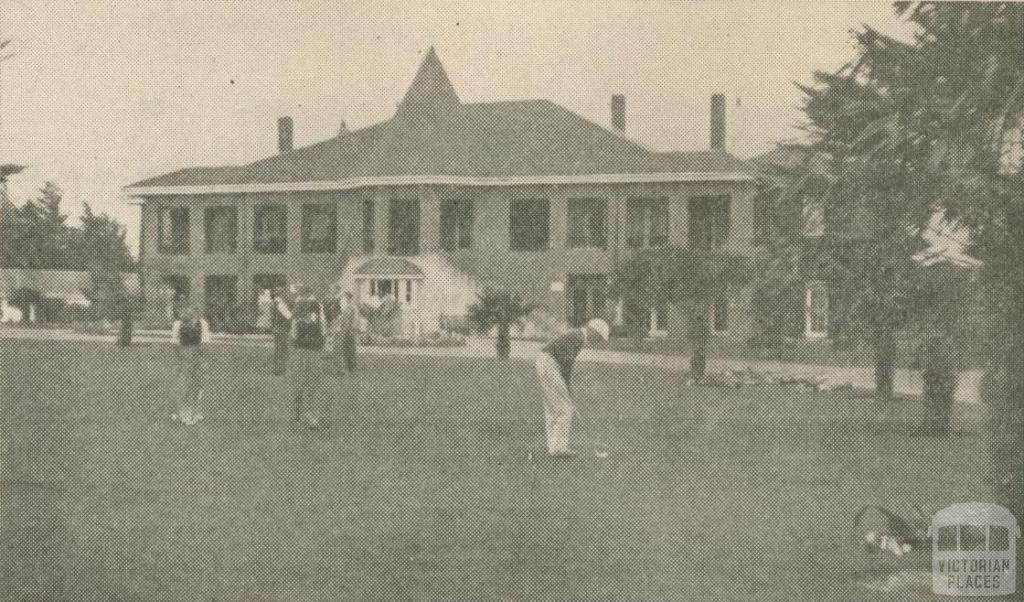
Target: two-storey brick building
{"x":441,"y":200}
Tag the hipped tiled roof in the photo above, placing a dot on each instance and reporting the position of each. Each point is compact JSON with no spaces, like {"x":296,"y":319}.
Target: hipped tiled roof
{"x":434,"y":134}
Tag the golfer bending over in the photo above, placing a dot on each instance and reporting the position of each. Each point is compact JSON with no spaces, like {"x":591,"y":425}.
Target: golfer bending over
{"x":554,"y":370}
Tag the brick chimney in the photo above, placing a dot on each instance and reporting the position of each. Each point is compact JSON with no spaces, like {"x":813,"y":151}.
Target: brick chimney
{"x":619,"y":113}
{"x":284,"y":134}
{"x":718,"y":121}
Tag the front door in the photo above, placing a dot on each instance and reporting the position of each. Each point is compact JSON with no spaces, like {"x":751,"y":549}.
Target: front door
{"x":588,"y":297}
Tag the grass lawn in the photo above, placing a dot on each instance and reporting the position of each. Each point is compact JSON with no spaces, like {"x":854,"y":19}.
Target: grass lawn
{"x":423,"y":490}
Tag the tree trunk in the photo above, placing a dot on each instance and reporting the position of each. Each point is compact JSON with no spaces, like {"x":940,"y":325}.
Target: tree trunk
{"x":699,"y":335}
{"x":940,"y":378}
{"x":504,"y":343}
{"x":885,"y":354}
{"x":125,"y":337}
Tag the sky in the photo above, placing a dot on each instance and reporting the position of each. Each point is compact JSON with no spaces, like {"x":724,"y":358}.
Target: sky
{"x":101,"y":94}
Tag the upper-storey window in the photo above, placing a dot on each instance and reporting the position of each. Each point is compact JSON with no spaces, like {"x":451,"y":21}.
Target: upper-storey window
{"x":529,"y":224}
{"x":646,"y":223}
{"x":173,"y":230}
{"x":221,"y":229}
{"x":587,"y":219}
{"x":319,"y":228}
{"x":709,"y":221}
{"x":270,"y":229}
{"x":404,"y":226}
{"x":456,"y":224}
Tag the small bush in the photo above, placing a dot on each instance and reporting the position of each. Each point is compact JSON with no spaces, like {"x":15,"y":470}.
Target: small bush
{"x":456,"y":324}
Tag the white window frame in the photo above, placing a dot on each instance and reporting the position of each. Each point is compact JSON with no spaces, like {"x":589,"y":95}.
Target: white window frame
{"x":655,"y":331}
{"x":809,"y":289}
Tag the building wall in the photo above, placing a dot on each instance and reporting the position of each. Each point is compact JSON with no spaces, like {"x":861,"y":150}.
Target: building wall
{"x":539,"y":276}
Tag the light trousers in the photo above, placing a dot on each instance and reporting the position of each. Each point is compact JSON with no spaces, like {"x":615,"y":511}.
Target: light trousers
{"x":558,"y":408}
{"x":191,"y":371}
{"x":305,"y":375}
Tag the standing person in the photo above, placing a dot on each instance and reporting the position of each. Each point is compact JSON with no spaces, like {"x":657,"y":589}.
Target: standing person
{"x":343,"y":325}
{"x":554,"y":370}
{"x":308,"y":337}
{"x":281,"y":329}
{"x":265,"y":310}
{"x":190,"y":333}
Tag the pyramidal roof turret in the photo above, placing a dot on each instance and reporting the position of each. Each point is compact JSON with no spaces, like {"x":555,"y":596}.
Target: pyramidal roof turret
{"x":430,"y":91}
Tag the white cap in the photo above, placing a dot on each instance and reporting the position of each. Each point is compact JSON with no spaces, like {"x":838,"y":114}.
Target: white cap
{"x":599,"y":326}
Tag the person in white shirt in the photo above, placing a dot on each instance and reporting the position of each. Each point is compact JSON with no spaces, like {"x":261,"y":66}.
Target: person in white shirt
{"x":264,"y":309}
{"x":281,"y":328}
{"x":190,"y":333}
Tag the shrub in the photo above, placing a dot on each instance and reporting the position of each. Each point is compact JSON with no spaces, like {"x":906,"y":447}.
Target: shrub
{"x":501,"y":310}
{"x":456,"y":324}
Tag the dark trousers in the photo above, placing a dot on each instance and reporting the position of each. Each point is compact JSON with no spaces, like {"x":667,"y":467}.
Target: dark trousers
{"x":279,"y":359}
{"x":345,"y":352}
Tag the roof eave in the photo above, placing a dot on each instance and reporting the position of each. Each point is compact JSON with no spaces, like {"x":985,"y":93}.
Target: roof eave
{"x":640,"y":178}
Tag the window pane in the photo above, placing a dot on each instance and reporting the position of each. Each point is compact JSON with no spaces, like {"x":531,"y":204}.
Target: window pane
{"x":270,"y":224}
{"x":466,"y":224}
{"x":221,"y":229}
{"x":647,"y":222}
{"x":998,"y":539}
{"x":947,"y":539}
{"x":586,"y":223}
{"x":456,"y":224}
{"x":449,"y":225}
{"x":972,"y":538}
{"x":708,"y":221}
{"x":319,"y":228}
{"x":528,"y":224}
{"x":577,"y":234}
{"x":659,"y":222}
{"x":404,"y":226}
{"x":173,"y":230}
{"x":635,"y":224}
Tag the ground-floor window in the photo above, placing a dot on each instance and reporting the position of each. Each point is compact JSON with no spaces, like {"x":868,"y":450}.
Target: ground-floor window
{"x":658,"y":320}
{"x":652,"y":321}
{"x":816,"y":310}
{"x":263,"y":286}
{"x":587,"y":296}
{"x":174,"y":295}
{"x":221,"y":300}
